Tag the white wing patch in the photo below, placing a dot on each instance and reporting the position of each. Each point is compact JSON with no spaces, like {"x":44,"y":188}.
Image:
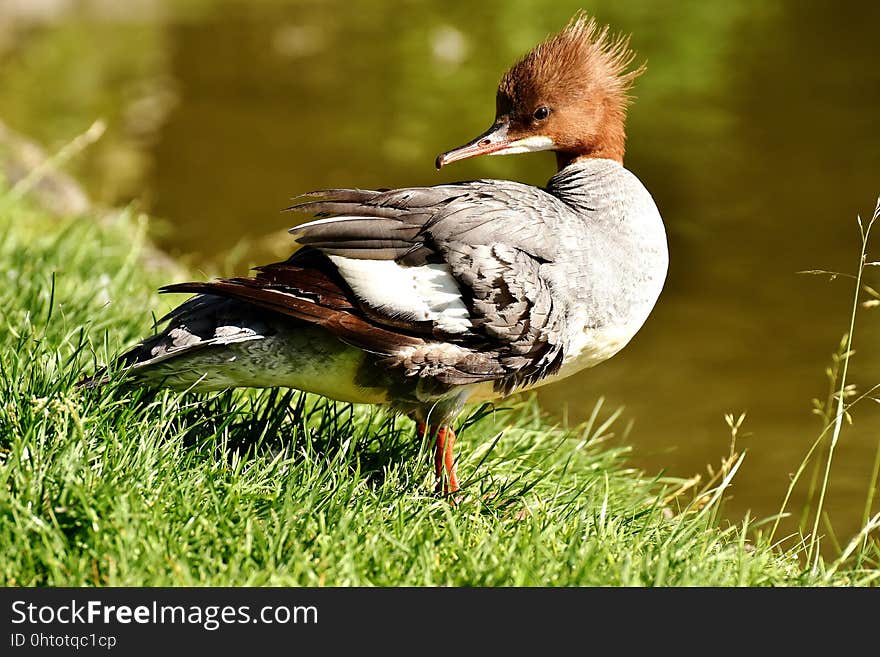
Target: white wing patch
{"x":423,"y":293}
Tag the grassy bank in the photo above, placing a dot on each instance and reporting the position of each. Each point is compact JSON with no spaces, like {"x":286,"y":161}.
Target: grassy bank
{"x":114,"y":487}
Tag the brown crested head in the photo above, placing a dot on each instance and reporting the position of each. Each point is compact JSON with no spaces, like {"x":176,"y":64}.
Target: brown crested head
{"x":569,"y":95}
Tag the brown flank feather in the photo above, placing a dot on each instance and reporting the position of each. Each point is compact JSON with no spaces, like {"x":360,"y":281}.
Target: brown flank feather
{"x":306,"y":287}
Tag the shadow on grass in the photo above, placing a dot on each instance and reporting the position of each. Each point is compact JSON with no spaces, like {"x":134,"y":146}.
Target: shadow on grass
{"x":239,"y":424}
{"x":368,"y":443}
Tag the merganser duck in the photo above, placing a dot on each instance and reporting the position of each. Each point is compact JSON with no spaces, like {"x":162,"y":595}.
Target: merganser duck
{"x":427,"y":298}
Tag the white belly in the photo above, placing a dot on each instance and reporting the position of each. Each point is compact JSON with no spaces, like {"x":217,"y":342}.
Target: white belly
{"x":588,"y":349}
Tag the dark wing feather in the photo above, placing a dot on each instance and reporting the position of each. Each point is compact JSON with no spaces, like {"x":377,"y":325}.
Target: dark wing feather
{"x":498,"y":239}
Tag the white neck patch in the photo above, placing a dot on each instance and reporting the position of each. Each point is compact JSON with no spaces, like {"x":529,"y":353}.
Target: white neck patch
{"x":527,"y":145}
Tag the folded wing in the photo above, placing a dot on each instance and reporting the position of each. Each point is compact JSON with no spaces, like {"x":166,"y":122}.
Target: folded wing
{"x":451,"y":282}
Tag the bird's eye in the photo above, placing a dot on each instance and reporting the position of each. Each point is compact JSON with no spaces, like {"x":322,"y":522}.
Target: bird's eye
{"x":542,"y":113}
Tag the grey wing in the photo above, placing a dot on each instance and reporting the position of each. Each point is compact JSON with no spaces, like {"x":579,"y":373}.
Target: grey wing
{"x":495,"y":240}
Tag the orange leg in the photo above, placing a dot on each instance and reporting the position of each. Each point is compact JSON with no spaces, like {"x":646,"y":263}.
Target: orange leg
{"x":444,"y":458}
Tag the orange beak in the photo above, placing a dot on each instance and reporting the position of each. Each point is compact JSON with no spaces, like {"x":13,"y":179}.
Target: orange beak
{"x":491,"y":141}
{"x":497,"y":140}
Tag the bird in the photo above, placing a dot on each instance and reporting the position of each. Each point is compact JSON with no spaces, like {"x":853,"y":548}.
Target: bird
{"x":426,"y":299}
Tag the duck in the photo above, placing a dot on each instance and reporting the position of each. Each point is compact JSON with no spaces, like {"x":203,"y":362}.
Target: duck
{"x":427,"y":299}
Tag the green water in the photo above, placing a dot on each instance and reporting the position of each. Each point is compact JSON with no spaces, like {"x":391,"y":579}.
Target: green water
{"x":754,"y":129}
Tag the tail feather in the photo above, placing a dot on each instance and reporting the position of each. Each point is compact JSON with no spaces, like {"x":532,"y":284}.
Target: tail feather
{"x":199,"y":323}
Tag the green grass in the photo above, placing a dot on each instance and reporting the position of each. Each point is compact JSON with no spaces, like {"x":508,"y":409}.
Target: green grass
{"x":116,"y":487}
